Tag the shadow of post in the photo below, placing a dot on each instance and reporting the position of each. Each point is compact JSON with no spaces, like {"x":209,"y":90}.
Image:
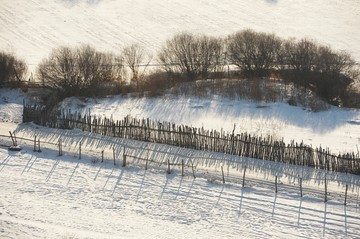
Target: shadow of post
{"x":274,"y":206}
{"x":118,"y":181}
{"x":141,"y":186}
{"x":241,"y":199}
{"x":52,"y":170}
{"x":72,"y":175}
{"x":324,"y":223}
{"x":345,"y":221}
{"x":299,"y":212}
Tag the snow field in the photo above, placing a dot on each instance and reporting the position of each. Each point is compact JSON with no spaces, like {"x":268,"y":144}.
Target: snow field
{"x":337,"y":129}
{"x":50,"y":196}
{"x":32,"y":29}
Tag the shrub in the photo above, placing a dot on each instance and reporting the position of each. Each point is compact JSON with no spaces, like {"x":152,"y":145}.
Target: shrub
{"x":12,"y":69}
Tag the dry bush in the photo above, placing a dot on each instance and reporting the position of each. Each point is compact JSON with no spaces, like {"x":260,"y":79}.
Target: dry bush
{"x":79,"y":71}
{"x":12,"y":70}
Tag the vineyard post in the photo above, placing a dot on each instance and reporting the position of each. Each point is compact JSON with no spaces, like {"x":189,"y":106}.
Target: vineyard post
{"x":35,"y":144}
{"x":60,"y":148}
{"x":276,"y":188}
{"x":124,"y":159}
{"x":39,"y":150}
{"x":325,"y":200}
{"x":243,"y":183}
{"x":346,"y":189}
{"x":301,"y":190}
{"x":182,"y":168}
{"x":168,"y":167}
{"x":114,"y":155}
{"x":223,"y":177}
{"x":80,"y":150}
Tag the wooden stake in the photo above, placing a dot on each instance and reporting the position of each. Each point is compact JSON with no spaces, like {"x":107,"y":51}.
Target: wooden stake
{"x":325,"y":200}
{"x":192,"y":168}
{"x":182,"y":168}
{"x":80,"y":150}
{"x":223,"y":176}
{"x":146,"y":164}
{"x":276,"y":188}
{"x":102,"y":156}
{"x":243,"y":183}
{"x":168,"y":167}
{"x":124,"y":160}
{"x":39,"y":149}
{"x":114,"y":156}
{"x":35,"y":144}
{"x":301,"y":191}
{"x":60,"y":148}
{"x":12,"y":138}
{"x":346,"y":189}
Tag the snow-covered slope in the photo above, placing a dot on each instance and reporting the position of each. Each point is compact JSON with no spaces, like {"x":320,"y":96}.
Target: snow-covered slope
{"x":43,"y":195}
{"x":32,"y":28}
{"x":338,"y":129}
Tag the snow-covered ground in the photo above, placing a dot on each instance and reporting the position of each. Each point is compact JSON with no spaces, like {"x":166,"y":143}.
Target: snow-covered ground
{"x":31,"y":29}
{"x":48,"y":196}
{"x":338,"y":129}
{"x":43,"y":195}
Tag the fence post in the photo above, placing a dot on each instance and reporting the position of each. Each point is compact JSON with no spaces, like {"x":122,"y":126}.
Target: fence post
{"x":325,"y":200}
{"x":223,"y":177}
{"x":243,"y":183}
{"x":301,"y":191}
{"x":80,"y":150}
{"x":35,"y":144}
{"x":192,"y":168}
{"x":182,"y":168}
{"x":346,"y":189}
{"x":114,"y":155}
{"x":39,"y":150}
{"x":102,"y":156}
{"x":168,"y":167}
{"x":124,"y":159}
{"x":276,"y":188}
{"x":60,"y":148}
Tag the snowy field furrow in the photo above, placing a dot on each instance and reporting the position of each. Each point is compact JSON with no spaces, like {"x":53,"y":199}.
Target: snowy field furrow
{"x":52,"y":196}
{"x":31,"y":29}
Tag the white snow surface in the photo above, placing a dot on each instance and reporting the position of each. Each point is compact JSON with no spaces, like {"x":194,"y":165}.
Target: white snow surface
{"x":43,"y":195}
{"x":337,"y":129}
{"x":48,"y":196}
{"x":32,"y":28}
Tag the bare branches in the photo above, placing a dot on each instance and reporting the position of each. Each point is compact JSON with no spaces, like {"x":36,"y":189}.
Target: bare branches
{"x":191,"y":56}
{"x":137,"y":60}
{"x":76,"y":71}
{"x":254,"y":52}
{"x":12,"y":69}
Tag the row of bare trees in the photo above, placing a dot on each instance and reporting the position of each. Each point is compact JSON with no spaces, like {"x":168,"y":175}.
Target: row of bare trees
{"x":187,"y":57}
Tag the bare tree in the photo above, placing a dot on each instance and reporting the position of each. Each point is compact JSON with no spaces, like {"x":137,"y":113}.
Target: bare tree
{"x":12,"y":69}
{"x":136,"y":58}
{"x":79,"y":71}
{"x":302,"y":55}
{"x":191,"y":56}
{"x":254,"y":52}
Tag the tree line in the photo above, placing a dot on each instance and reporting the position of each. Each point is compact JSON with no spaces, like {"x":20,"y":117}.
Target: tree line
{"x":86,"y":71}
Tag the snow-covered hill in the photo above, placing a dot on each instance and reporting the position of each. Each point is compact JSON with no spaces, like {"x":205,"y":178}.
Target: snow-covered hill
{"x":338,"y":129}
{"x":31,"y":28}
